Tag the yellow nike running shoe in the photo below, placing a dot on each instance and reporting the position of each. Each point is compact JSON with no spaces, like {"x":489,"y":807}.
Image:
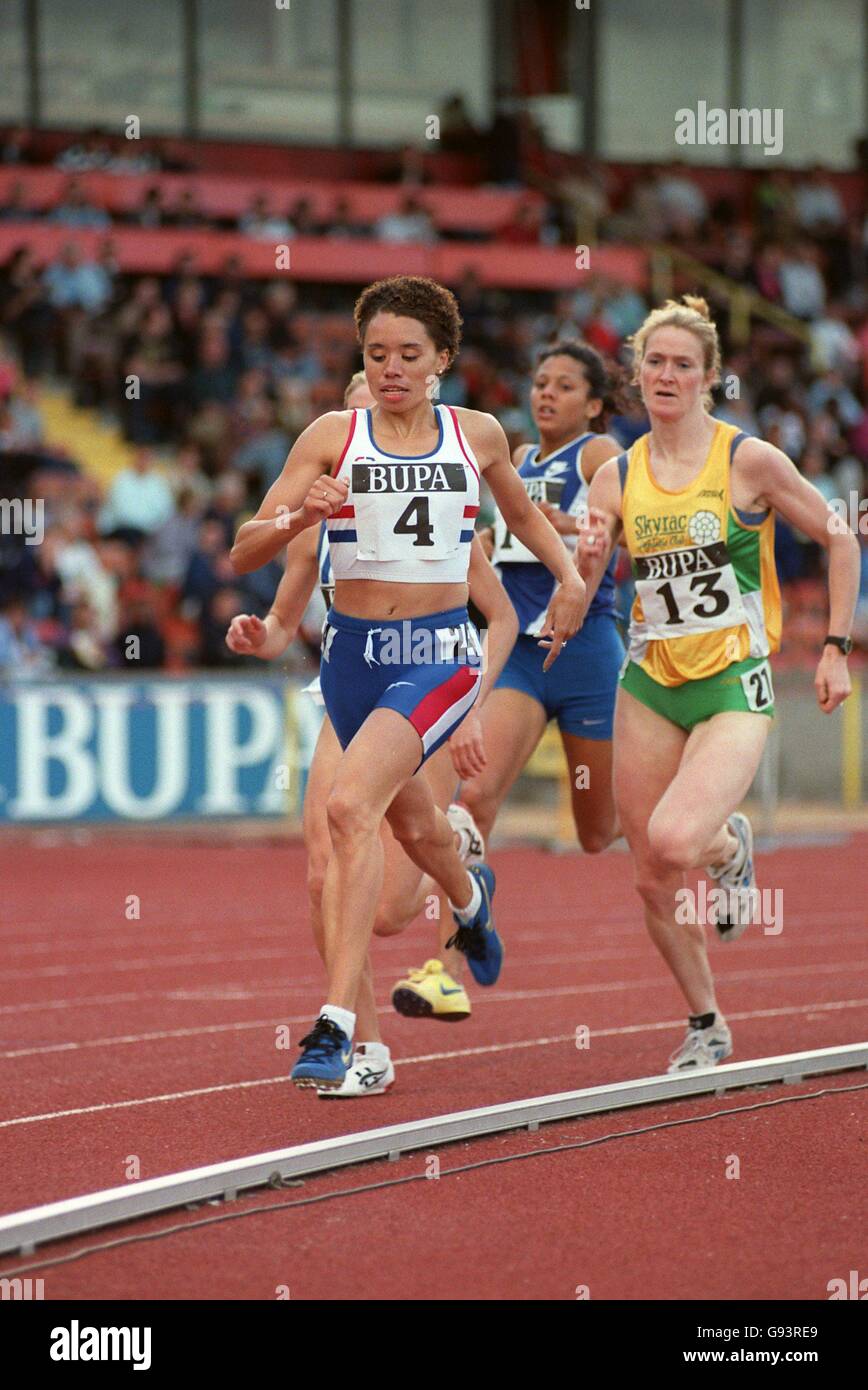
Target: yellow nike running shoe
{"x":431,"y":993}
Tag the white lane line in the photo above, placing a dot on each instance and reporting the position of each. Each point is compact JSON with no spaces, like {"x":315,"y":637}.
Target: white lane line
{"x":144,"y":1100}
{"x":730,"y":975}
{"x":20,"y":919}
{"x":628,"y":1028}
{"x":551,"y":933}
{"x":93,"y":1001}
{"x":155,"y":963}
{"x":127,"y":930}
{"x":216,"y":993}
{"x":400,"y":948}
{"x":398,"y":951}
{"x":502,"y":996}
{"x":431,"y":1057}
{"x":23,"y":935}
{"x":240,"y":1026}
{"x":236,"y":993}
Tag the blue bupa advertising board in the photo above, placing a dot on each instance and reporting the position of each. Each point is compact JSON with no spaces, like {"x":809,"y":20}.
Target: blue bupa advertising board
{"x":147,"y":750}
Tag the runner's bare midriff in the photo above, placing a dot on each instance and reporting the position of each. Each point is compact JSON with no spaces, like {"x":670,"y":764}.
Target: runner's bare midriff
{"x":376,"y":598}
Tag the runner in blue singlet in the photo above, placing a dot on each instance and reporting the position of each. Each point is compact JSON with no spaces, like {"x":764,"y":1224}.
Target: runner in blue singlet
{"x":569,"y":400}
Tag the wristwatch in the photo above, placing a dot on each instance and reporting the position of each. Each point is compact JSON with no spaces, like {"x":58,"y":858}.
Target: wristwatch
{"x":844,"y":644}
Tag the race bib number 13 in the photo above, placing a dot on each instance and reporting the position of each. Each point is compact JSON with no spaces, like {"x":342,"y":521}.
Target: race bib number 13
{"x":688,"y":591}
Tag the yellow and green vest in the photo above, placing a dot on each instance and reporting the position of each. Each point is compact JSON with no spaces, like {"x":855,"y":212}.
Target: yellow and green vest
{"x":707,"y":590}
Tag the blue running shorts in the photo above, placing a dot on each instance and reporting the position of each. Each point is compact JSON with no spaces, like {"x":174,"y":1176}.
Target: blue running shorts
{"x":579,"y":688}
{"x":427,"y":669}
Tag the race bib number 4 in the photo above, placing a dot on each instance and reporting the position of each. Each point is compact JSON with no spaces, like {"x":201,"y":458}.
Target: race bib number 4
{"x":688,"y":591}
{"x":409,"y":510}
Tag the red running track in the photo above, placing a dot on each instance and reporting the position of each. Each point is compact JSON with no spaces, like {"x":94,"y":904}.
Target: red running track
{"x":146,"y":1046}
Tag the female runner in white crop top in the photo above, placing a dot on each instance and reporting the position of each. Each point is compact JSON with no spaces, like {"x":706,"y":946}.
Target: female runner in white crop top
{"x":409,"y":329}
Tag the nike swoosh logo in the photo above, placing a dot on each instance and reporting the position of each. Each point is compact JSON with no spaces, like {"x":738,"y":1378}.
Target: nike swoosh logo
{"x":395,"y":684}
{"x":444,"y":990}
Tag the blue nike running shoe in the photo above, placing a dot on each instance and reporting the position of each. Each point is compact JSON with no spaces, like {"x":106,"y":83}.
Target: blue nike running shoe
{"x":327,"y":1053}
{"x":479,"y":941}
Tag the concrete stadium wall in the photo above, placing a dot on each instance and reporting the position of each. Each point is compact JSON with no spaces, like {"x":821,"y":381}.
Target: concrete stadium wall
{"x":811,"y":743}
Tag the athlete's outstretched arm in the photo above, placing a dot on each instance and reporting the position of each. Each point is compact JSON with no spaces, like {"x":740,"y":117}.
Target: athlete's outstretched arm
{"x":466,"y":745}
{"x":600,"y":530}
{"x":269,"y":638}
{"x":528,"y":523}
{"x":304,"y":494}
{"x":778,"y":483}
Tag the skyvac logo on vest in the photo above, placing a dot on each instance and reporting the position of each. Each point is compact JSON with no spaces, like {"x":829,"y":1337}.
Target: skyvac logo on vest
{"x":738,"y":126}
{"x":655,"y":527}
{"x":703,"y":528}
{"x":408,"y":477}
{"x":77,"y":1343}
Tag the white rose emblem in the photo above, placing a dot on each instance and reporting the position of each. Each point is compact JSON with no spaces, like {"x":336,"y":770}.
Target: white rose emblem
{"x":704,"y":528}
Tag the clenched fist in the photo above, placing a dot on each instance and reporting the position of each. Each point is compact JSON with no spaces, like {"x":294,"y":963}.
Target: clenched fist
{"x":326,"y":497}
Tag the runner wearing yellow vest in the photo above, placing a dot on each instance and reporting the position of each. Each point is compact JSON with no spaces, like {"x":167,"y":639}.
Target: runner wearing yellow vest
{"x":707,"y":592}
{"x":693,"y":501}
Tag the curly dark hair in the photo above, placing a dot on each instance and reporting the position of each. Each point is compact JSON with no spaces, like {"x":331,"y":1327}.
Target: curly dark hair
{"x":413,"y":297}
{"x":604,"y":382}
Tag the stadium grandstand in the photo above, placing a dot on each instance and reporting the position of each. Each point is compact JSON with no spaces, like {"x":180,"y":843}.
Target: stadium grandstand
{"x":156,"y":365}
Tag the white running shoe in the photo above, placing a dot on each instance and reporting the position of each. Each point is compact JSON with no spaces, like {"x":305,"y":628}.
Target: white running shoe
{"x":702,"y":1047}
{"x":366,"y":1077}
{"x":471,"y":845}
{"x":738,"y":880}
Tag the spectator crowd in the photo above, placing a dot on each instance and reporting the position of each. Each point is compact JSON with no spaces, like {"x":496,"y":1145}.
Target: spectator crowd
{"x":212,"y":378}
